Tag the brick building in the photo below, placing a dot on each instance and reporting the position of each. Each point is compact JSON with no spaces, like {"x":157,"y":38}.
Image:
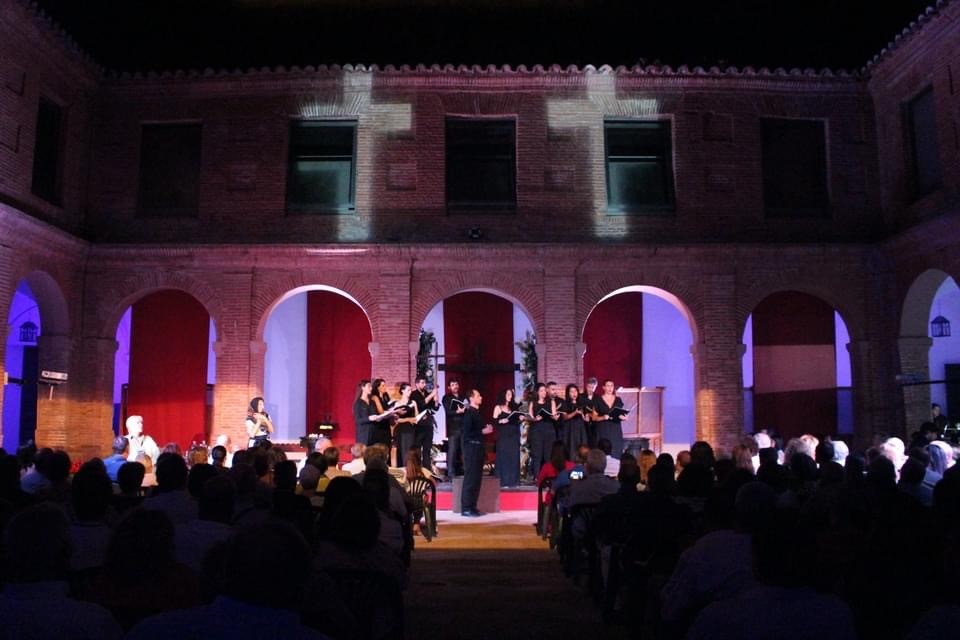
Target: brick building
{"x":843,"y":186}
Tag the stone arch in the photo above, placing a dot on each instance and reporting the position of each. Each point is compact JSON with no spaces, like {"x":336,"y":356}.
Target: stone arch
{"x":782,"y":281}
{"x":54,"y":311}
{"x":668,"y":288}
{"x":915,"y":310}
{"x":266,"y":298}
{"x":528,"y":298}
{"x":132,"y":289}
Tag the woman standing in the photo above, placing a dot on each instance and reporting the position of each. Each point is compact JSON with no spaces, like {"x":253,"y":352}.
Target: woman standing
{"x":259,"y":425}
{"x":407,"y":411}
{"x":380,"y":430}
{"x":508,"y":439}
{"x":363,"y":412}
{"x":608,"y":421}
{"x":574,"y":428}
{"x":588,"y":400}
{"x":543,"y":413}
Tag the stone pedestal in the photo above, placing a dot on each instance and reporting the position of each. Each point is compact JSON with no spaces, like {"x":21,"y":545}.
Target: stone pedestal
{"x":489,"y":500}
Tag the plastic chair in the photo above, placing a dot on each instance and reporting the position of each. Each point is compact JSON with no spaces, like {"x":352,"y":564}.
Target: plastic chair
{"x":424,"y":494}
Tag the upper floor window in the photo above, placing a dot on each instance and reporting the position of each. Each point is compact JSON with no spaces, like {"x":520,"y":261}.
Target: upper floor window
{"x":481,"y":163}
{"x":169,"y":169}
{"x":321,"y":172}
{"x":639,"y":166}
{"x":922,"y":128}
{"x":794,"y":159}
{"x":48,"y":152}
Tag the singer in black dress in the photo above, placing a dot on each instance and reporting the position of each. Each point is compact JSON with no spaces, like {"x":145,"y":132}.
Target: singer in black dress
{"x":608,"y":426}
{"x":508,"y":439}
{"x":573,"y":428}
{"x":541,"y":434}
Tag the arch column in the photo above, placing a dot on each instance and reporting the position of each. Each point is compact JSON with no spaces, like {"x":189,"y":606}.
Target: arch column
{"x":559,"y":327}
{"x":391,"y":334}
{"x":717,"y":369}
{"x":915,"y":362}
{"x":52,"y":408}
{"x":239,"y":378}
{"x":91,"y":391}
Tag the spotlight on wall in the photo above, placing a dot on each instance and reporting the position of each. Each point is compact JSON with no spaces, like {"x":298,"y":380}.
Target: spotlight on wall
{"x":475,"y":233}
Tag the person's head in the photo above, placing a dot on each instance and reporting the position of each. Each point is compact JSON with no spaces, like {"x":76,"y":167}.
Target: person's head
{"x":285,"y":476}
{"x":198,"y":476}
{"x":683,"y":459}
{"x":379,"y":386}
{"x":840,"y":451}
{"x":609,"y":387}
{"x":505,"y":397}
{"x":695,"y":481}
{"x":197,"y":455}
{"x":171,"y":472}
{"x":376,"y":483}
{"x":420,"y":383}
{"x":741,"y":458}
{"x":629,"y":475}
{"x":571,"y":393}
{"x":130,"y":478}
{"x":702,"y":453}
{"x":558,"y":456}
{"x":331,"y":456}
{"x":605,"y":446}
{"x":90,"y":493}
{"x":825,"y":452}
{"x":552,"y":389}
{"x":763,"y":440}
{"x":582,"y":451}
{"x":596,"y":462}
{"x":540,"y":392}
{"x":591,"y":385}
{"x":219,"y":456}
{"x":405,"y":389}
{"x":141,"y":533}
{"x":912,"y":471}
{"x":475,"y":398}
{"x":36,"y":545}
{"x":376,"y":453}
{"x":647,"y":459}
{"x":364,"y":389}
{"x":660,"y":480}
{"x":243,"y":579}
{"x":454,"y":387}
{"x":256,"y":405}
{"x":355,"y":524}
{"x":134,"y":426}
{"x":413,"y":464}
{"x":934,"y":410}
{"x":216,"y":499}
{"x":119,"y":446}
{"x":356,"y":450}
{"x":309,"y":477}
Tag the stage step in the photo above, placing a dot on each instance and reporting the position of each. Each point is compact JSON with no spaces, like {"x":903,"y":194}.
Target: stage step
{"x":523,"y":498}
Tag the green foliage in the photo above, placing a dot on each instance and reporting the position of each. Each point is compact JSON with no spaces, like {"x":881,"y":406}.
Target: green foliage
{"x":528,"y":363}
{"x":424,"y":370}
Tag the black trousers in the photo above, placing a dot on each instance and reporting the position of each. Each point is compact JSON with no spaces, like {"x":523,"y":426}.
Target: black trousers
{"x":454,"y":450}
{"x":423,"y":439}
{"x":540,"y":439}
{"x":473,"y":454}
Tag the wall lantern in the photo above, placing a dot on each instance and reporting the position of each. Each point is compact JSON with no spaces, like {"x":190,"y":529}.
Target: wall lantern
{"x":28,"y":332}
{"x":940,"y":327}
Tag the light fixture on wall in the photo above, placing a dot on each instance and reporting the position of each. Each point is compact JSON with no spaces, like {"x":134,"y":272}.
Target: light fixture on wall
{"x":28,"y":333}
{"x":940,"y":327}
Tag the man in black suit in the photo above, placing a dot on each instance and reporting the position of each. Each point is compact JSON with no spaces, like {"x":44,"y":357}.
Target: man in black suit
{"x":423,"y":430}
{"x":453,"y":409}
{"x":474,"y":452}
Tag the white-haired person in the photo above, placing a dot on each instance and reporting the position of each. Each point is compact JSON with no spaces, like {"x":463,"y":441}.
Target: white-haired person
{"x":141,"y":445}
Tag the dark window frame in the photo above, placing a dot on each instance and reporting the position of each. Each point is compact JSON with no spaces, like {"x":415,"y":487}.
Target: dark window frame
{"x":917,"y":185}
{"x":148,"y":209}
{"x":50,"y":190}
{"x":299,"y":152}
{"x":799,"y":211}
{"x":509,"y":159}
{"x":664,"y":128}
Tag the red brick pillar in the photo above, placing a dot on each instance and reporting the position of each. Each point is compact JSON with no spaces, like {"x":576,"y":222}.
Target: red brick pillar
{"x":915,"y":361}
{"x":392,"y":330}
{"x":52,"y":408}
{"x":717,"y":365}
{"x":91,"y":392}
{"x":239,"y":378}
{"x":559,"y":330}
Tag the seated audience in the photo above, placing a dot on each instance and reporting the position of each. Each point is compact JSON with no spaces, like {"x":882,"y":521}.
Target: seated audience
{"x":356,"y":465}
{"x":171,"y":494}
{"x":117,"y":458}
{"x":129,"y":481}
{"x":595,"y":484}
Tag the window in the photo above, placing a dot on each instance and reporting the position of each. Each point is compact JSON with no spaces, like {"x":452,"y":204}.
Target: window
{"x":922,"y":128}
{"x":794,"y":162}
{"x":321,"y":169}
{"x":639,"y":166}
{"x":169,"y":169}
{"x":481,"y":163}
{"x":47,"y":152}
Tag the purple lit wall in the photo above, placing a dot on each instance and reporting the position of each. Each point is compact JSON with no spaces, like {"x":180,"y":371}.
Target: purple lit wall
{"x":23,"y":309}
{"x":285,"y":367}
{"x":667,"y":362}
{"x":945,"y":351}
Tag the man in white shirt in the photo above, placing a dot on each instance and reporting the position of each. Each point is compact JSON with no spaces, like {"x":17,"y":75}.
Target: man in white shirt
{"x":140,"y":443}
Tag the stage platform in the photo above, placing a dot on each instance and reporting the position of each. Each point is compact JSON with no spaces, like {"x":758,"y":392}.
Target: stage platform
{"x":522,"y":498}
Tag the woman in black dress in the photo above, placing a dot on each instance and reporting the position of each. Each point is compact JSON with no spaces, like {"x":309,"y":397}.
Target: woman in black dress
{"x":574,"y":429}
{"x":508,"y":439}
{"x":607,"y":425}
{"x":362,"y":412}
{"x":541,"y":435}
{"x":588,"y":400}
{"x":380,"y":431}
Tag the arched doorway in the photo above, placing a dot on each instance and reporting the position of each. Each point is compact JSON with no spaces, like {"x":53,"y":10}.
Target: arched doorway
{"x":165,"y":368}
{"x":641,"y":336}
{"x":796,"y":368}
{"x":929,"y":358}
{"x":317,"y":341}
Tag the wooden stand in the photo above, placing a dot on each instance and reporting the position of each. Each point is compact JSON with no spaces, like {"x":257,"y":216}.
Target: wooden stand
{"x":489,"y":500}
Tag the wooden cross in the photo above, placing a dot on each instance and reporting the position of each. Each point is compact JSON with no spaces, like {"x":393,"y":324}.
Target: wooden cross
{"x":477,"y":367}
